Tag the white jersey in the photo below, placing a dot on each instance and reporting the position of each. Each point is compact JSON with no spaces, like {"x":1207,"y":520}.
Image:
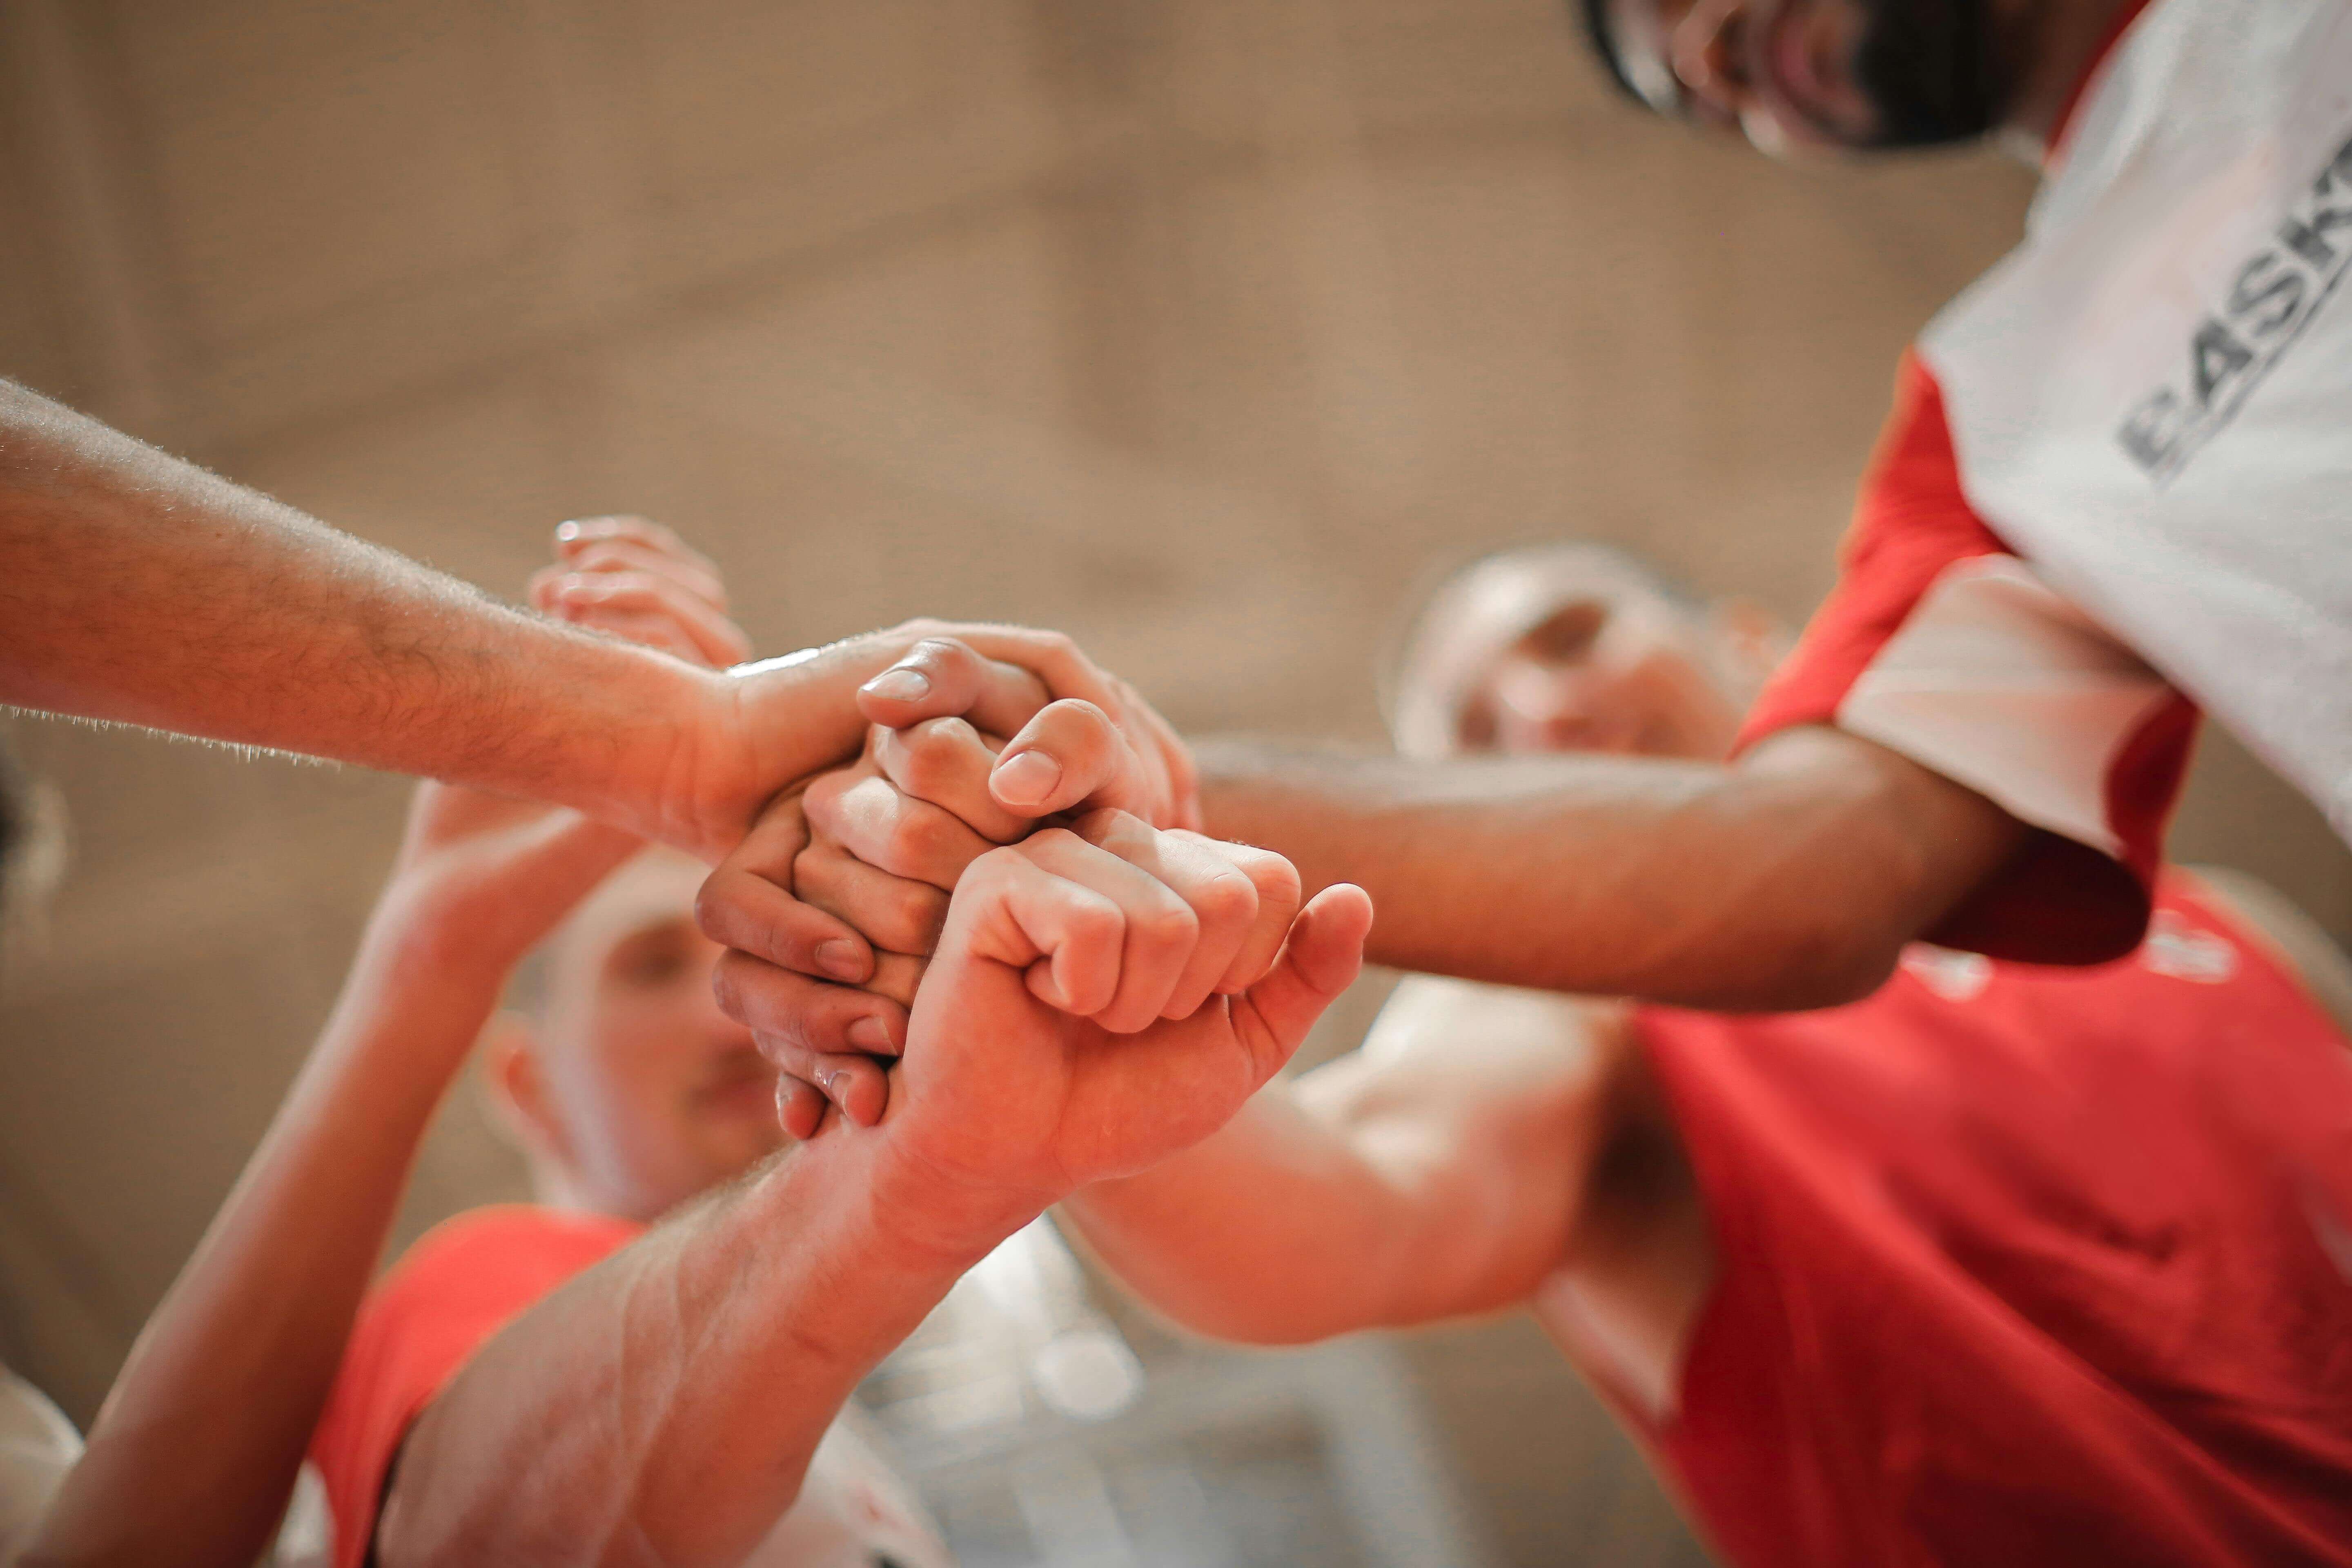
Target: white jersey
{"x":2150,"y":399}
{"x":2119,"y":471}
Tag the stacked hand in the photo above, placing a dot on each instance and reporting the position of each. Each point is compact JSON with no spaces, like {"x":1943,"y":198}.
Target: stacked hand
{"x":768,"y":727}
{"x":790,"y":908}
{"x":1103,"y":994}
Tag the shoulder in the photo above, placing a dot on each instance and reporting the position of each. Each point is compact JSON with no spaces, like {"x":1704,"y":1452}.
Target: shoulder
{"x":457,"y":1286}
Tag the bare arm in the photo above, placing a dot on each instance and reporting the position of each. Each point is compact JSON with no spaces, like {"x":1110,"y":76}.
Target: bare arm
{"x":664,"y":1405}
{"x":1442,"y":1169}
{"x":195,"y":1453}
{"x":194,"y":1456}
{"x":1790,"y":878}
{"x":142,"y":589}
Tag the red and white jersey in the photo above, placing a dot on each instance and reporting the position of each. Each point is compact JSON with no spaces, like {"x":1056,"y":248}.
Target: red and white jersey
{"x":2119,"y":469}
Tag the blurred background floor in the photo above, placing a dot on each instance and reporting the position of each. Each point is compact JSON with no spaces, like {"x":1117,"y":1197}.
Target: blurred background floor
{"x":1205,"y":329}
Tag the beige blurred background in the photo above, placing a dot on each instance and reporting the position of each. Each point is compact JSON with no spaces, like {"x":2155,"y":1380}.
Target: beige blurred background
{"x":1206,"y":329}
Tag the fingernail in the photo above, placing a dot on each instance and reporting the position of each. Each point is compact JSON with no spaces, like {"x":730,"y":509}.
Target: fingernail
{"x":841,"y":960}
{"x":836,"y":1089}
{"x":565,"y":533}
{"x":899,"y":685}
{"x":869,"y":1036}
{"x":1027,"y":779}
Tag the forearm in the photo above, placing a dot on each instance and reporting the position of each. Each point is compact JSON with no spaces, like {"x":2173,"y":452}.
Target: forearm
{"x":1789,"y":879}
{"x":141,"y":589}
{"x":666,"y":1404}
{"x":195,"y":1453}
{"x":1276,"y":1230}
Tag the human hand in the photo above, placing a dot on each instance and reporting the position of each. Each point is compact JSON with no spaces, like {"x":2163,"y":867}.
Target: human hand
{"x":1103,"y":996}
{"x":1104,"y":747}
{"x":479,"y":877}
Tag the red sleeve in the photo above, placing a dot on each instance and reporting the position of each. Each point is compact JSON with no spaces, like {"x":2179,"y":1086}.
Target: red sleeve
{"x":1939,"y":642}
{"x":455,"y":1289}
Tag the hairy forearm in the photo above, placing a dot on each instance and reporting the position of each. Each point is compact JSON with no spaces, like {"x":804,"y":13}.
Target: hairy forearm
{"x":137,"y":588}
{"x":666,"y":1404}
{"x":195,"y":1453}
{"x":1789,"y":879}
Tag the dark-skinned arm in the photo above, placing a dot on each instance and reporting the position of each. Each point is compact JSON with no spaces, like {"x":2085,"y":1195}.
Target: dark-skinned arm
{"x":1789,"y":879}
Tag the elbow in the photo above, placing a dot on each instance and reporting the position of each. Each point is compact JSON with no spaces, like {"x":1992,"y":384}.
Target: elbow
{"x":1826,"y":969}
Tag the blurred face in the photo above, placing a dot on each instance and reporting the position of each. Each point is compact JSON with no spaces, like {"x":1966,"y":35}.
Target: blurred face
{"x":1793,"y":75}
{"x":649,"y":1093}
{"x":1625,"y":672}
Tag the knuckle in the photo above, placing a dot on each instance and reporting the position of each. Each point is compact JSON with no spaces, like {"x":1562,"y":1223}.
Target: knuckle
{"x":715,"y":904}
{"x":729,"y":985}
{"x":998,"y":866}
{"x":1168,"y":925}
{"x":1048,"y":840}
{"x":1278,"y":881}
{"x":920,"y":913}
{"x":1079,"y":714}
{"x":929,"y":760}
{"x":822,"y":803}
{"x":921,"y":839}
{"x":1226,"y":896}
{"x":1095,"y":923}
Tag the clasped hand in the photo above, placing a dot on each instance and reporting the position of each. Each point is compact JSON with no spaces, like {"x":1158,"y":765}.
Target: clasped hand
{"x":1061,"y":991}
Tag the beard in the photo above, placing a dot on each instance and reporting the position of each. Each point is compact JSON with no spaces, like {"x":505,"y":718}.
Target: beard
{"x":1931,"y":72}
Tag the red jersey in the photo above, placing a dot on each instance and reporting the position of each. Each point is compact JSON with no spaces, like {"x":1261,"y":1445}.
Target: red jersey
{"x":463,"y":1282}
{"x":460,"y":1284}
{"x":2024,"y":1266}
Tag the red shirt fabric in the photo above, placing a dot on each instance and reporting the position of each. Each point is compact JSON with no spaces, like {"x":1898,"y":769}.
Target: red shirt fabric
{"x":1918,"y":552}
{"x":461,"y":1283}
{"x":2024,"y":1266}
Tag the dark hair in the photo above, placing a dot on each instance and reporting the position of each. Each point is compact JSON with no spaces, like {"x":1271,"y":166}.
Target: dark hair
{"x":1594,"y":14}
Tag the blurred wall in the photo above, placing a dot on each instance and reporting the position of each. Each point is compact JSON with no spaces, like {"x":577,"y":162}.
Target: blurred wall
{"x":1204,"y":329}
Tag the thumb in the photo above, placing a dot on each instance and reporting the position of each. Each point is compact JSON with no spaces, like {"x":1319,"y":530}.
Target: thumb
{"x":1320,"y":960}
{"x":1070,"y":754}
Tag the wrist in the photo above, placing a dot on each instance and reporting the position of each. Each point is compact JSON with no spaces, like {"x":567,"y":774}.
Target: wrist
{"x":765,"y":726}
{"x":925,"y":1212}
{"x":663,"y":781}
{"x":414,"y":941}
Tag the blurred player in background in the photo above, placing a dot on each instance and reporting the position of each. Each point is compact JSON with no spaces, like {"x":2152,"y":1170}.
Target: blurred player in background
{"x":2001,"y":1264}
